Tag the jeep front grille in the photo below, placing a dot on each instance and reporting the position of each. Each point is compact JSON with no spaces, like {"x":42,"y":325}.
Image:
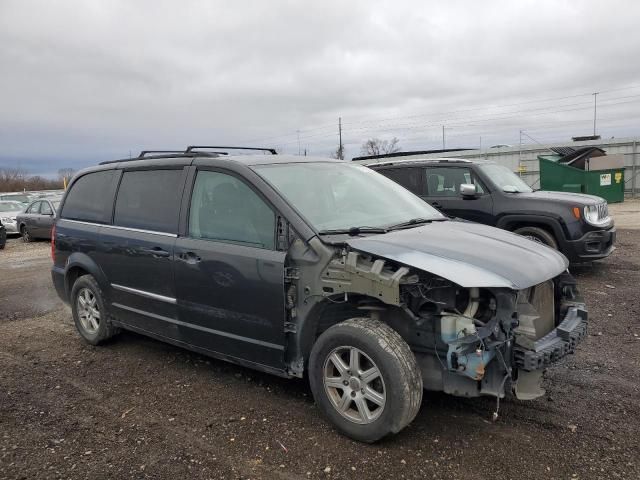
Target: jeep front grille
{"x":603,"y":211}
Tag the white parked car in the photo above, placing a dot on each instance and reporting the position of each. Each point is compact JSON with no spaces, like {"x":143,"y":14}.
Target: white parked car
{"x":8,"y":213}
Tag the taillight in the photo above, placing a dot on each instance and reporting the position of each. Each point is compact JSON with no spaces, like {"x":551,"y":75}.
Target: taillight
{"x":53,"y":243}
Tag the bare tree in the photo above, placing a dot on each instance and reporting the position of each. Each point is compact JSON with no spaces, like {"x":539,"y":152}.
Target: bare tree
{"x":16,"y":180}
{"x":375,"y":146}
{"x":66,"y":173}
{"x":339,"y":153}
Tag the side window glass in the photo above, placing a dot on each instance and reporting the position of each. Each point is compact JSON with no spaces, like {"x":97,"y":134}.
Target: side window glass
{"x":409,"y":178}
{"x":224,"y":209}
{"x":149,"y":200}
{"x":45,"y":209}
{"x":446,"y":181}
{"x":34,"y":208}
{"x":470,"y":177}
{"x":90,"y":198}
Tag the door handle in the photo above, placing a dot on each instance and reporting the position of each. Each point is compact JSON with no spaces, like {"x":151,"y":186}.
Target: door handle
{"x":189,"y":257}
{"x":156,"y":252}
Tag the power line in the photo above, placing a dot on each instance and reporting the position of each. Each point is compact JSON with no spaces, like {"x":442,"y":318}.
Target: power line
{"x":369,"y":121}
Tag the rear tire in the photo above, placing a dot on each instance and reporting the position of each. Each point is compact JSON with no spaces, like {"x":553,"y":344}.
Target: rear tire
{"x":365,"y":379}
{"x":539,"y":235}
{"x":90,"y":313}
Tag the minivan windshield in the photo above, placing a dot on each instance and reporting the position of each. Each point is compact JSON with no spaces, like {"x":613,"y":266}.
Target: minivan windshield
{"x":341,"y":196}
{"x":505,"y":179}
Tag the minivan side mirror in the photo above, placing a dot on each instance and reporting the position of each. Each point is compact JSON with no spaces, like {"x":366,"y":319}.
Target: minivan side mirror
{"x":468,"y":190}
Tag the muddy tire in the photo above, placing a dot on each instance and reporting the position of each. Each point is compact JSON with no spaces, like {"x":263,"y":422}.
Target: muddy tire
{"x":26,"y":236}
{"x":539,"y":235}
{"x":365,"y":379}
{"x":90,"y":313}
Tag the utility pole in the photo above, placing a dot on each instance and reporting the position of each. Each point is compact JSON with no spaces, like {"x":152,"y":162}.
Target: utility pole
{"x":298,"y":132}
{"x":340,"y":152}
{"x":520,"y":155}
{"x":443,"y":142}
{"x":595,"y":109}
{"x":480,"y":143}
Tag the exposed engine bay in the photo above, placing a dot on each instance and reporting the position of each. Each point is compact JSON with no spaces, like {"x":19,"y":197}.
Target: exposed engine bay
{"x":468,"y":341}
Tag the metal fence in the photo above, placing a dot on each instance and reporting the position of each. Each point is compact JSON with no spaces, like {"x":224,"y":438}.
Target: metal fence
{"x":524,"y":159}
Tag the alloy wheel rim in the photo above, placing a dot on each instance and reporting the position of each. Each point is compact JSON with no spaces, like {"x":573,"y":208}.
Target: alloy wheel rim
{"x":533,"y":238}
{"x":354,"y":385}
{"x":88,"y":311}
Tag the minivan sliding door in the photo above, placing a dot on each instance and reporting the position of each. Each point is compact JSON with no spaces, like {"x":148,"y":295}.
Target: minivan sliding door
{"x":229,"y":275}
{"x":138,"y":249}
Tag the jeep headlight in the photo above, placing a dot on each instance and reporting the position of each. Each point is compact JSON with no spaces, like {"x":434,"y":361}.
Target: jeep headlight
{"x":597,"y":215}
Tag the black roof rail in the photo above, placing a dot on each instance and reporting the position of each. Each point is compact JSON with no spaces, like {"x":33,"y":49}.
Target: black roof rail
{"x":406,"y":154}
{"x":144,"y":153}
{"x":152,"y":157}
{"x":409,"y":161}
{"x":190,"y":148}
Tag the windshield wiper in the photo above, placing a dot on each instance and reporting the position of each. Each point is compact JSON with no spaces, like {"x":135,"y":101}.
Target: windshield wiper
{"x":353,"y":231}
{"x":414,"y":222}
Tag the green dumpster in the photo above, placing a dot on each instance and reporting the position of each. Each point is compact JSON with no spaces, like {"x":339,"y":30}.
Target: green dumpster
{"x":587,"y":170}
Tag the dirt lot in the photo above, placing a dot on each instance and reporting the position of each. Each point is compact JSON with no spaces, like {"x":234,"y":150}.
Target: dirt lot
{"x":137,"y":408}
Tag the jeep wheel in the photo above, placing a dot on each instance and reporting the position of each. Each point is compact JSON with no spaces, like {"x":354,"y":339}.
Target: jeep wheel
{"x":26,"y":236}
{"x":365,"y":379}
{"x":539,"y":235}
{"x":90,"y":313}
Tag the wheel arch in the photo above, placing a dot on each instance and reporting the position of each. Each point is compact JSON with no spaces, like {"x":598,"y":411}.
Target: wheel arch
{"x":80,"y":264}
{"x":329,"y":311}
{"x":550,"y":224}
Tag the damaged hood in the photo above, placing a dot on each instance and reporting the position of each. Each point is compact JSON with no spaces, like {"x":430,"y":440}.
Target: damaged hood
{"x":469,"y":254}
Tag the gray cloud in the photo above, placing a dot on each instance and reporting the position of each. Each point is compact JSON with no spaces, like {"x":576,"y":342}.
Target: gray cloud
{"x":86,"y":81}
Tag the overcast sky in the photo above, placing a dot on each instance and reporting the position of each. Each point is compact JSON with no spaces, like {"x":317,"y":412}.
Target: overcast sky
{"x":85,"y":81}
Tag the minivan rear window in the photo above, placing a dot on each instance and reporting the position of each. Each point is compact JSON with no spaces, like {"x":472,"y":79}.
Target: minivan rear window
{"x":149,"y":200}
{"x":90,"y":198}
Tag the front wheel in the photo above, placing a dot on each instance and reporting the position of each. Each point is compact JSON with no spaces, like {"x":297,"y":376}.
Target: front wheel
{"x":365,"y":379}
{"x":26,"y":236}
{"x":539,"y":235}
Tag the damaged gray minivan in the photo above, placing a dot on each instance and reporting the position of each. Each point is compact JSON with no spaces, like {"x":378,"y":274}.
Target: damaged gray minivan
{"x":312,"y":267}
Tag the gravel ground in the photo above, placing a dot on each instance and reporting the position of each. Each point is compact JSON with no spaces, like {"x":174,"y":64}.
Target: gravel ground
{"x":137,"y":408}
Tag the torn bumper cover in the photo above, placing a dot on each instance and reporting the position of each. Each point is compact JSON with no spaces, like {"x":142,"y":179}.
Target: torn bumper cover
{"x":555,"y":345}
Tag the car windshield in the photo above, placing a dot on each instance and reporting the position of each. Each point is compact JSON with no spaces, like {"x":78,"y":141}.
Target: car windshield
{"x":337,"y":196}
{"x":505,"y":179}
{"x":10,"y":206}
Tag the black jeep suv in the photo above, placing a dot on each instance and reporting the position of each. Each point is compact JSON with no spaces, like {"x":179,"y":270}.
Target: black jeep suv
{"x":578,"y":225}
{"x":303,"y":266}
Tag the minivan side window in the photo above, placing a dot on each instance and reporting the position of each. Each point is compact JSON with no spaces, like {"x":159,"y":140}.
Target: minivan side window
{"x":446,"y":181}
{"x":90,"y":198}
{"x":149,"y":200}
{"x":225,"y":209}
